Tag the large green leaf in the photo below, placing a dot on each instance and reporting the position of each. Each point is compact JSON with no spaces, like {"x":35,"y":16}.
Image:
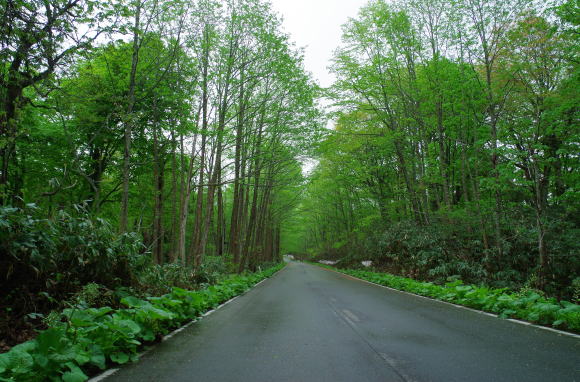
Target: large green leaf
{"x":4,"y":362}
{"x":20,"y":362}
{"x":133,"y":302}
{"x":120,"y":357}
{"x":74,"y":375}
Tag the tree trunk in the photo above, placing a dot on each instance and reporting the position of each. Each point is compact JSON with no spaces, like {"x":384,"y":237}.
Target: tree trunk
{"x":250,"y":230}
{"x":221,"y":223}
{"x":128,"y":122}
{"x":176,"y":195}
{"x":196,"y":236}
{"x":158,"y":179}
{"x":238,"y":174}
{"x":8,"y":133}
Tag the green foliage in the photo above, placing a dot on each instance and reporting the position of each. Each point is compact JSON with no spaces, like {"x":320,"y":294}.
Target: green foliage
{"x":65,"y":251}
{"x":450,"y":156}
{"x":526,"y":305}
{"x":212,"y":268}
{"x":159,"y":279}
{"x":438,"y":251}
{"x":93,"y":337}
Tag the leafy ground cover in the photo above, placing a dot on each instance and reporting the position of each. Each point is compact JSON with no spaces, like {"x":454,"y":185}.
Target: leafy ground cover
{"x":526,"y":305}
{"x":49,"y":264}
{"x":86,"y":340}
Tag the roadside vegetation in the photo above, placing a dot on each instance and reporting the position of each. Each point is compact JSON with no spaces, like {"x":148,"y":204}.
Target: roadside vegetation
{"x":53,"y":263}
{"x":526,"y":305}
{"x":82,"y":340}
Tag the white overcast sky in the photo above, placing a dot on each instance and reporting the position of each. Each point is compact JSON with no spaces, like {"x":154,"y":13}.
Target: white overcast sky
{"x":315,"y":25}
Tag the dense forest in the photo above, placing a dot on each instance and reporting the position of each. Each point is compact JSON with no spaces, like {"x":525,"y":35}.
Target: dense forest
{"x":144,"y":143}
{"x":456,"y":148}
{"x":152,"y":144}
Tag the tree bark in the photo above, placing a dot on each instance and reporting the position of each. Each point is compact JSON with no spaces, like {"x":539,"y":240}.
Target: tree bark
{"x":128,"y":121}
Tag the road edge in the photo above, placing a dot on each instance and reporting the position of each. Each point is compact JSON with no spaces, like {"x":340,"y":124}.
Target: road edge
{"x":521,"y":322}
{"x":109,"y":372}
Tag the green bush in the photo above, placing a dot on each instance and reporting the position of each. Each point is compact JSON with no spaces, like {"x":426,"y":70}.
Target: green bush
{"x":159,"y":279}
{"x":156,"y":279}
{"x":95,"y":337}
{"x":45,"y":263}
{"x":65,"y":251}
{"x":527,"y":305}
{"x":212,"y":268}
{"x":452,"y":245}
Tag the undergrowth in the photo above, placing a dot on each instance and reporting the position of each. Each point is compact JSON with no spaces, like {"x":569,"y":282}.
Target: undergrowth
{"x":47,"y":264}
{"x":84,"y":340}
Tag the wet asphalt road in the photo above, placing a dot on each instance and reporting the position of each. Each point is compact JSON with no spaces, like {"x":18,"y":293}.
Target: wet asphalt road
{"x":310,"y":324}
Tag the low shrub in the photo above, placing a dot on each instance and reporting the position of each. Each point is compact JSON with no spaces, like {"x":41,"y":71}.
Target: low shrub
{"x":89,"y":339}
{"x":64,"y":252}
{"x":453,"y":245}
{"x":158,"y":279}
{"x":45,"y":262}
